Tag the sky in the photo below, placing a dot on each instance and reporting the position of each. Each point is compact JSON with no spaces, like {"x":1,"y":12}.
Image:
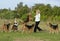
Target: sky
{"x":13,"y":3}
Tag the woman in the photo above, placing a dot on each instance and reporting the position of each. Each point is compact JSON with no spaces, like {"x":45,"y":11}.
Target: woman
{"x":37,"y":21}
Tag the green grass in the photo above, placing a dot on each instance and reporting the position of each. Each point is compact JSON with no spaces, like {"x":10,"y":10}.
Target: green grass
{"x":18,"y":36}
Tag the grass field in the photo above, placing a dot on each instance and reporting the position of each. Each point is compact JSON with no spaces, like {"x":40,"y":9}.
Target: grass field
{"x":38,"y":36}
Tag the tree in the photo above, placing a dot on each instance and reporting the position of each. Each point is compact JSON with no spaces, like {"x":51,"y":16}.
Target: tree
{"x":22,"y":10}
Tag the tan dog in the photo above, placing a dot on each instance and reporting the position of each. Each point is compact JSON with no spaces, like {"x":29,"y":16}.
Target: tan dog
{"x":15,"y":25}
{"x":27,"y":26}
{"x":6,"y":27}
{"x":53,"y":28}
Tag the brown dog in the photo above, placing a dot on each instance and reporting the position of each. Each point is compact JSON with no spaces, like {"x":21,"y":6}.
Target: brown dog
{"x":53,"y":28}
{"x":15,"y":25}
{"x":27,"y":26}
{"x":6,"y":27}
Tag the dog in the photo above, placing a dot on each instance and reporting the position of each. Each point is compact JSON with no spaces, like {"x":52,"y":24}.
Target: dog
{"x":15,"y":27}
{"x":53,"y":28}
{"x":27,"y":27}
{"x":6,"y":27}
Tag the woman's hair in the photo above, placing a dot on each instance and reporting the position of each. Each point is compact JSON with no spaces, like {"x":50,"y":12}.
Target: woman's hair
{"x":37,"y":11}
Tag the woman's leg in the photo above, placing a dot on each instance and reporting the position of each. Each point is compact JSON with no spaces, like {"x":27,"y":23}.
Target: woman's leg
{"x":35,"y":27}
{"x":38,"y":27}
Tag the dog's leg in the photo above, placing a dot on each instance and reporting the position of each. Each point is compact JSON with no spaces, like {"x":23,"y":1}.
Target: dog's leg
{"x":50,"y":30}
{"x":3,"y":28}
{"x":54,"y":31}
{"x":30,"y":30}
{"x":6,"y":29}
{"x":23,"y":29}
{"x":57,"y":31}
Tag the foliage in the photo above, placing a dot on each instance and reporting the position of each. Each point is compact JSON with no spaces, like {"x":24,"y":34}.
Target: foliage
{"x":47,"y":12}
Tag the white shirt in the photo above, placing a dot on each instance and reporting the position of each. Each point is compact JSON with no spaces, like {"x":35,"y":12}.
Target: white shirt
{"x":37,"y":17}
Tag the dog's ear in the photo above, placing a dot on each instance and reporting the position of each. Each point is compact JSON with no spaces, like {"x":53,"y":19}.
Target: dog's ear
{"x":47,"y":23}
{"x":57,"y":24}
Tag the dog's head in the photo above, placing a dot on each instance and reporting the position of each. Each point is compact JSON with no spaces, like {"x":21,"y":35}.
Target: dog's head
{"x":50,"y":24}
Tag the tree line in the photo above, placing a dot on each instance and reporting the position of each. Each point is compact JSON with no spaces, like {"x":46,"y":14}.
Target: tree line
{"x":47,"y":12}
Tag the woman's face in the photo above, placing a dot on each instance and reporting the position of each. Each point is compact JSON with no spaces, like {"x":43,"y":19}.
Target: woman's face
{"x":37,"y":11}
